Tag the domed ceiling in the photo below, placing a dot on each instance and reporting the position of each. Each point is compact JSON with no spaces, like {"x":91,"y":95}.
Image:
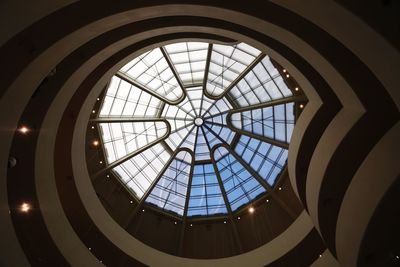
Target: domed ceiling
{"x":197,"y":129}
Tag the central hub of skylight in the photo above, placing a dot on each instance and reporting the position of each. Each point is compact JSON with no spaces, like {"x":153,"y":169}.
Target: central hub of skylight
{"x":190,"y":127}
{"x":198,"y":121}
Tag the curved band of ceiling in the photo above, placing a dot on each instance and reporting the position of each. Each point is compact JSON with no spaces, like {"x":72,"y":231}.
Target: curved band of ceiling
{"x":315,"y":181}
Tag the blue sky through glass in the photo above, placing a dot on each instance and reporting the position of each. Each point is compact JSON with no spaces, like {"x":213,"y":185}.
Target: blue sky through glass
{"x":153,"y":145}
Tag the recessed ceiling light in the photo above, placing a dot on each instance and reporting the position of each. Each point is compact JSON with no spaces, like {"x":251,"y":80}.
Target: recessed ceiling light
{"x":23,"y":129}
{"x":25,"y":207}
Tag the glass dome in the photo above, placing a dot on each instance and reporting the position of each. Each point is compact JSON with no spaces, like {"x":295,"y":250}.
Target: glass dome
{"x":197,"y":129}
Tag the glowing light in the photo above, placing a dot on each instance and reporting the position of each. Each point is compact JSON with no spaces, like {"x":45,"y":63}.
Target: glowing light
{"x":101,"y":162}
{"x":23,"y":129}
{"x":251,"y":209}
{"x":287,"y":75}
{"x":301,"y":106}
{"x":95,"y":143}
{"x":296,"y":89}
{"x":279,"y":188}
{"x":25,"y":207}
{"x":284,"y":70}
{"x":225,"y":222}
{"x":238,"y":218}
{"x":93,"y":111}
{"x":131,"y":202}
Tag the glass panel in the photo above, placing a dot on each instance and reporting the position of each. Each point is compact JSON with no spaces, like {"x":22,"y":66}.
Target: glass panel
{"x":189,"y":60}
{"x":140,"y":171}
{"x":240,"y":186}
{"x":170,"y":191}
{"x":226,"y":64}
{"x":275,"y":122}
{"x":121,"y":139}
{"x":262,"y":84}
{"x":266,"y":159}
{"x":205,"y":195}
{"x":152,"y":71}
{"x":125,"y":100}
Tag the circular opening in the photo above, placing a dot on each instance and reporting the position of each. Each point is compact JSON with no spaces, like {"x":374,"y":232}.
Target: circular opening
{"x":156,"y":157}
{"x":203,"y":140}
{"x":198,"y":121}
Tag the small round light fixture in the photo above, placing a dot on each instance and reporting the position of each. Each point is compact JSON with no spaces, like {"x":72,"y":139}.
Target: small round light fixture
{"x":95,"y":143}
{"x":251,"y":210}
{"x":25,"y":207}
{"x":23,"y":129}
{"x":12,"y":162}
{"x":301,"y":106}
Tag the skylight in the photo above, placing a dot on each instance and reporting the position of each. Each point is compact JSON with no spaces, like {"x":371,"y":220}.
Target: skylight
{"x":195,"y":129}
